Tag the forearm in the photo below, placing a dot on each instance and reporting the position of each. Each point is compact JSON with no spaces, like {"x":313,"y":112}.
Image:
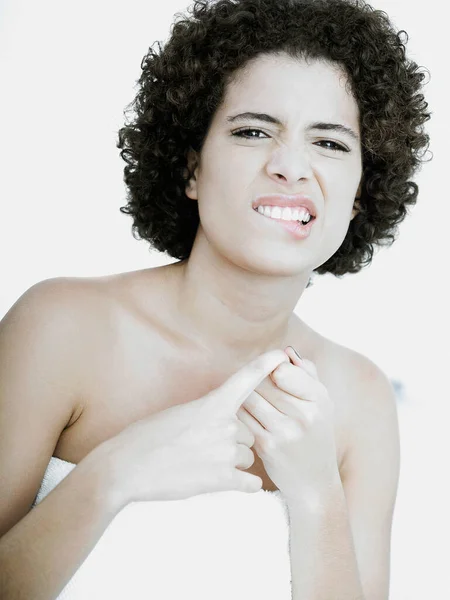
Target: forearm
{"x":323,"y":562}
{"x":41,"y":553}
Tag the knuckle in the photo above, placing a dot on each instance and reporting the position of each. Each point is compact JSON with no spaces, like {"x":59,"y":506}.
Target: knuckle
{"x":226,"y":454}
{"x":246,"y":435}
{"x":281,"y":370}
{"x":231,"y":454}
{"x":248,"y":458}
{"x":291,"y":433}
{"x":237,"y":455}
{"x":262,"y":362}
{"x":267,"y":445}
{"x":276,"y":376}
{"x":279,"y":374}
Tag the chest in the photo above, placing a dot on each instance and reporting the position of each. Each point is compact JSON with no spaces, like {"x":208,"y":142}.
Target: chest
{"x":139,"y":374}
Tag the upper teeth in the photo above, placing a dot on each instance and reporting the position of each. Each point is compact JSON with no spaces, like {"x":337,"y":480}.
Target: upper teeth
{"x":286,"y":213}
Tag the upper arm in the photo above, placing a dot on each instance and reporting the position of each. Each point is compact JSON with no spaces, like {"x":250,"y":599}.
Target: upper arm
{"x":39,"y":347}
{"x":370,"y":474}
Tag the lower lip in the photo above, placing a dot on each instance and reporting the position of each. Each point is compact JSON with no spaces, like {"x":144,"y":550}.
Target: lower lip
{"x":296,"y":228}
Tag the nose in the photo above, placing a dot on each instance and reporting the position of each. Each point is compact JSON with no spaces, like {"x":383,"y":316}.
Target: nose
{"x":290,"y":165}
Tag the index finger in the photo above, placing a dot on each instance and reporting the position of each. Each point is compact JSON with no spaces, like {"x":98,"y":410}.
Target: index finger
{"x":236,"y":389}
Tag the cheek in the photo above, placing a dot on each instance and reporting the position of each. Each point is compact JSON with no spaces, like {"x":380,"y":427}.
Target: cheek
{"x":335,"y":229}
{"x":340,"y":190}
{"x":337,"y":218}
{"x":225,"y":193}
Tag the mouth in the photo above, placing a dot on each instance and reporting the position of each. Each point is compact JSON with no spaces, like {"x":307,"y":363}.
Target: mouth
{"x":296,"y":228}
{"x":299,"y":205}
{"x":302,"y":222}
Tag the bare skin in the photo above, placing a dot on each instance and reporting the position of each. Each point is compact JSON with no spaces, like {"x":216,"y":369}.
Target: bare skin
{"x":85,"y":361}
{"x":100,"y":359}
{"x":144,"y":343}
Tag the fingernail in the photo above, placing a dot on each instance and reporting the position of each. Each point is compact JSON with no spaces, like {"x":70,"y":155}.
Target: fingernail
{"x":298,"y":355}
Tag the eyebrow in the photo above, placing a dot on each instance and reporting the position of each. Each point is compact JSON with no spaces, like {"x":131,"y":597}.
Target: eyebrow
{"x":265,"y":118}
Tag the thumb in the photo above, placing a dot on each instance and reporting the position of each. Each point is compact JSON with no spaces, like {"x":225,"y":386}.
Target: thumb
{"x":236,"y":389}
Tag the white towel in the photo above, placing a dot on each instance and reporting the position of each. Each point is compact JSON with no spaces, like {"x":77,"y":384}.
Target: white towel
{"x":217,"y":546}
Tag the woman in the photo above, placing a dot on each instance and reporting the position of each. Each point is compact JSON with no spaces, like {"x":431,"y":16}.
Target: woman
{"x":171,"y":382}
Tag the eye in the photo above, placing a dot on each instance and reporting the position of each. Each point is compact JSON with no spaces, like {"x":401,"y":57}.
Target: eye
{"x":336,"y":147}
{"x":245,"y":134}
{"x":240,"y":133}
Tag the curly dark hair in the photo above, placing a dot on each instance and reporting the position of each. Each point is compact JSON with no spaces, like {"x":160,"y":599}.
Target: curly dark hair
{"x":181,"y":87}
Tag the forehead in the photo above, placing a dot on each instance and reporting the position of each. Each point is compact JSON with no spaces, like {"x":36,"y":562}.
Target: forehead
{"x":293,"y":88}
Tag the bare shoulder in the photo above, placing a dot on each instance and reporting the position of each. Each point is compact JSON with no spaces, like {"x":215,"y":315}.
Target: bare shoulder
{"x":345,"y":368}
{"x":44,"y":338}
{"x":368,"y":389}
{"x":358,"y":369}
{"x":45,"y":308}
{"x":58,"y":293}
{"x":68,"y":320}
{"x":43,"y":345}
{"x":53,"y":309}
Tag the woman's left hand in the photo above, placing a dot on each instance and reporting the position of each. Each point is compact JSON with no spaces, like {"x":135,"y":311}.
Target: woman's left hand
{"x":291,"y":416}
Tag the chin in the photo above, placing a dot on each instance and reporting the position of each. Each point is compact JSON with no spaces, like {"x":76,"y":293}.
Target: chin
{"x":279,"y":265}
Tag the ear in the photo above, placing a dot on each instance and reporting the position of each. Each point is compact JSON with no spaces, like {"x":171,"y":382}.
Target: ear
{"x":191,"y":185}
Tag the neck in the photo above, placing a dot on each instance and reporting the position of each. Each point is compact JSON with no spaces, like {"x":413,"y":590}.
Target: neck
{"x":229,"y":310}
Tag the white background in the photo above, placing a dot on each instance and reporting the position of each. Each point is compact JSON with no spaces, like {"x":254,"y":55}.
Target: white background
{"x":67,"y":71}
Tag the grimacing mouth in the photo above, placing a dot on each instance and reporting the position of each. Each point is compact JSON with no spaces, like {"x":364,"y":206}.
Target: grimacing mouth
{"x":312,"y":217}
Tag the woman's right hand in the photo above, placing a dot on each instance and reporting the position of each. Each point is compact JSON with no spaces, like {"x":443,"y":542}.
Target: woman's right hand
{"x":192,"y":448}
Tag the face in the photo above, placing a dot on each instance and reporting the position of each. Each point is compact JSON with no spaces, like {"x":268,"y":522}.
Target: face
{"x":243,"y":159}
